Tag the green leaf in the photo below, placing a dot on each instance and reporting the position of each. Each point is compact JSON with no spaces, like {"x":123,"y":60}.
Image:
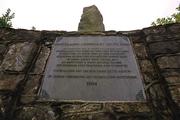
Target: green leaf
{"x":5,"y":20}
{"x":174,"y":18}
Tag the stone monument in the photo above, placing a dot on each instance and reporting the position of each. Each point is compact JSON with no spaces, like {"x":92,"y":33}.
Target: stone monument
{"x":91,"y":20}
{"x":24,"y":55}
{"x":92,"y":68}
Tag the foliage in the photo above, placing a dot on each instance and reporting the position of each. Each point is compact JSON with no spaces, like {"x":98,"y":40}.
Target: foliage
{"x":5,"y":20}
{"x":174,"y":18}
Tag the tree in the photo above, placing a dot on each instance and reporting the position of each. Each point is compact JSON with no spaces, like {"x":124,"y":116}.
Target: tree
{"x":174,"y":18}
{"x":5,"y":20}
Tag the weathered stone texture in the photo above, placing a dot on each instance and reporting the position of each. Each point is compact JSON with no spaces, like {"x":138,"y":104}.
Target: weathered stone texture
{"x":48,"y":37}
{"x":140,"y":50}
{"x":80,"y":108}
{"x":91,"y":20}
{"x":173,"y":79}
{"x":152,"y":85}
{"x":18,"y":56}
{"x":27,"y":35}
{"x":41,"y":60}
{"x":2,"y":50}
{"x":162,"y":38}
{"x":9,"y":82}
{"x":127,"y":107}
{"x":154,"y":30}
{"x":149,"y":77}
{"x":157,"y":50}
{"x":148,"y":72}
{"x":6,"y":35}
{"x":100,"y":111}
{"x":35,"y":113}
{"x":4,"y":101}
{"x":146,"y":66}
{"x":175,"y":91}
{"x":165,"y":47}
{"x":31,"y":89}
{"x":175,"y":28}
{"x":2,"y":107}
{"x":136,"y":36}
{"x":110,"y":33}
{"x":156,"y":92}
{"x":169,"y":62}
{"x":10,"y":35}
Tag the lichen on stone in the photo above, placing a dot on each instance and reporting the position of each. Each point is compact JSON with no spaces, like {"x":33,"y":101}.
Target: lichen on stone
{"x":18,"y":56}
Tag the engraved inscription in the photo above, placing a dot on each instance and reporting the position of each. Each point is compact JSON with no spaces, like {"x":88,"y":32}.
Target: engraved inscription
{"x":79,"y":60}
{"x":94,"y":69}
{"x":90,"y":83}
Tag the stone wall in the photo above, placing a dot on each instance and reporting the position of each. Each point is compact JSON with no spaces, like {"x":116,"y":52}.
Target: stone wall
{"x":24,"y":54}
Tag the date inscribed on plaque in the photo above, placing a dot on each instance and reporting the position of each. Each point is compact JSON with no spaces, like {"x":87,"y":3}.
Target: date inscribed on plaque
{"x":92,"y":68}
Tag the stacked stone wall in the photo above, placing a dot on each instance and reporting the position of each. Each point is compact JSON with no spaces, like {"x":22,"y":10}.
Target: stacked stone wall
{"x":24,"y":55}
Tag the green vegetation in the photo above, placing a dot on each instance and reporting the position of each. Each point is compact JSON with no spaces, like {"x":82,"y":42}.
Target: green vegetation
{"x":174,"y":18}
{"x":5,"y":20}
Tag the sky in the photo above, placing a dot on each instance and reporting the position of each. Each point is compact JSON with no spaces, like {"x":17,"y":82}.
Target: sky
{"x":119,"y":15}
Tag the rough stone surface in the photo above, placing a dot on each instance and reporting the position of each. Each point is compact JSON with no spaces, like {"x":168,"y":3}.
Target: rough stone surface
{"x":4,"y":101}
{"x":156,"y":92}
{"x":173,"y":79}
{"x":165,"y":47}
{"x":18,"y":56}
{"x":153,"y":30}
{"x":91,"y":20}
{"x":6,"y":35}
{"x":2,"y":107}
{"x":136,"y":36}
{"x":31,"y":89}
{"x":92,"y":116}
{"x":9,"y":82}
{"x":170,"y":72}
{"x":162,"y":38}
{"x":175,"y":28}
{"x":89,"y":107}
{"x":127,"y":107}
{"x":27,"y":35}
{"x":41,"y":61}
{"x":48,"y":37}
{"x":23,"y":104}
{"x":2,"y":50}
{"x":35,"y":113}
{"x":149,"y":77}
{"x":146,"y":66}
{"x":10,"y":35}
{"x":110,"y":111}
{"x":175,"y":92}
{"x":140,"y":50}
{"x":169,"y":62}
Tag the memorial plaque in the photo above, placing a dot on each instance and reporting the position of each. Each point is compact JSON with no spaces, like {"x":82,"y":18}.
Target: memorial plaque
{"x":92,"y":68}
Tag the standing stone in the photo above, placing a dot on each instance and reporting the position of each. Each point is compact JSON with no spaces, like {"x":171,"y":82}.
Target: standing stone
{"x":91,"y":20}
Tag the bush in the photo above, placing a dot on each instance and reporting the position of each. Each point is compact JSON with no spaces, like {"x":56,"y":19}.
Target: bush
{"x":5,"y":20}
